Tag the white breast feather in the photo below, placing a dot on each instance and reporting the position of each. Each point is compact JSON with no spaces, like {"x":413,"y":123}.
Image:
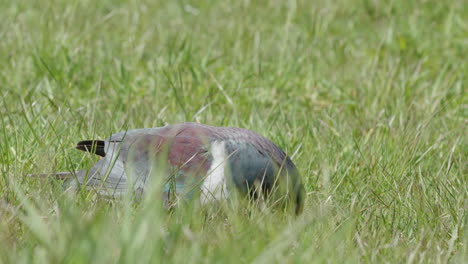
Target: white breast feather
{"x":214,"y":186}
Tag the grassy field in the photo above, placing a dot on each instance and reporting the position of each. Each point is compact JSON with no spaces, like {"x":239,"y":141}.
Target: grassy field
{"x":368,"y":97}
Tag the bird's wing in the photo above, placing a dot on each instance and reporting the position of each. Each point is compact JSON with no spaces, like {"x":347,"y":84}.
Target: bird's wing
{"x":178,"y":153}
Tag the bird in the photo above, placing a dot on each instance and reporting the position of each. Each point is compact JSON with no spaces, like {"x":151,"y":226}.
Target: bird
{"x":196,"y":160}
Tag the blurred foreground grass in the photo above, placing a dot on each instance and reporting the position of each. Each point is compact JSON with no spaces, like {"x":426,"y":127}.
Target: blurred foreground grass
{"x":367,"y":96}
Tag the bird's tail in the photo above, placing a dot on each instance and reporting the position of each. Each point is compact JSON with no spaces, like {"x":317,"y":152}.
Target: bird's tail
{"x":57,"y":175}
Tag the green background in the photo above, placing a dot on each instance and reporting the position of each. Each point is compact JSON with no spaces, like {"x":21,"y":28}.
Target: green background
{"x":368,"y":97}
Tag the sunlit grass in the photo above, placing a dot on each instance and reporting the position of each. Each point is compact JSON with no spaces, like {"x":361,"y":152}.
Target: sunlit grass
{"x":368,"y":97}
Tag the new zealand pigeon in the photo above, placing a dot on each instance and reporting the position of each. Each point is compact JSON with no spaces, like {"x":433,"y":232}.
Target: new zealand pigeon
{"x":206,"y":161}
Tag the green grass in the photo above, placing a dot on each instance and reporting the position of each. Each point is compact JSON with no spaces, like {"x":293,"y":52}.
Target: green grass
{"x":369,"y":97}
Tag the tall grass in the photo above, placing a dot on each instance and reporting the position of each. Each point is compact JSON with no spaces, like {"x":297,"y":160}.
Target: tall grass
{"x":368,"y":97}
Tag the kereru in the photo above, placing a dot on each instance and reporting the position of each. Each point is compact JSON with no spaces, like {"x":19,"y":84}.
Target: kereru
{"x":205,"y":161}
